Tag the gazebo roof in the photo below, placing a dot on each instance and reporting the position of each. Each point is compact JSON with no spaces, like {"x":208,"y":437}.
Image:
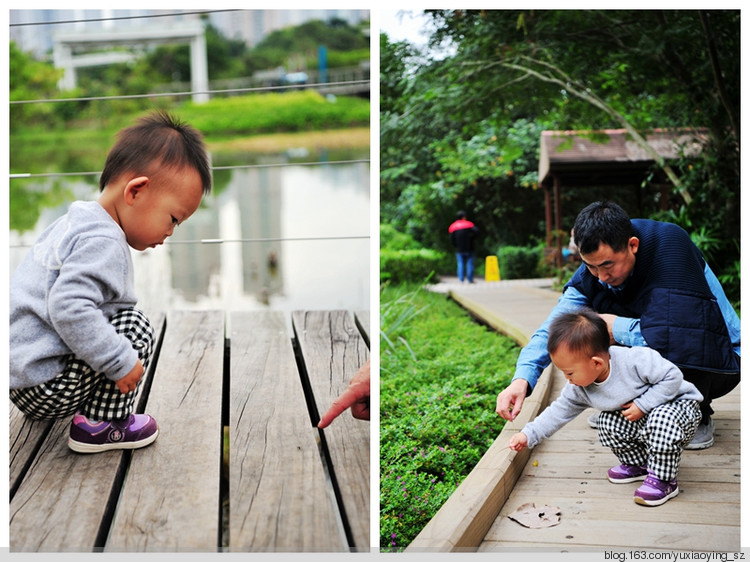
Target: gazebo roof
{"x":611,"y":155}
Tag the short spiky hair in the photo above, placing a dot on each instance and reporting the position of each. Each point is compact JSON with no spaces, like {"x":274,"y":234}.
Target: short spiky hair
{"x":583,"y":331}
{"x":602,"y":222}
{"x":157,"y":139}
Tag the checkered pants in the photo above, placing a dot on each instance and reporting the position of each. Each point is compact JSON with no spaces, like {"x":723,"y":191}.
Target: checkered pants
{"x":656,"y":440}
{"x":78,"y":388}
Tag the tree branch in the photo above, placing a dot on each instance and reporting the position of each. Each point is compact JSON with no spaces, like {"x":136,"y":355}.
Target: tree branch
{"x":587,"y":95}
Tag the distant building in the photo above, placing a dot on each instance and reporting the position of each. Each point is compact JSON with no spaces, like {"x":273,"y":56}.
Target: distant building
{"x":251,"y":26}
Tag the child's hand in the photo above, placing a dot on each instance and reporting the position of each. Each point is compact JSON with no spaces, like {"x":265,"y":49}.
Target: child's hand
{"x":518,"y":442}
{"x":129,"y":382}
{"x":632,"y":412}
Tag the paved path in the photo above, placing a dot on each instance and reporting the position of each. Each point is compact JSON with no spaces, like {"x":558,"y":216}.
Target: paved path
{"x":449,"y":284}
{"x":568,"y":471}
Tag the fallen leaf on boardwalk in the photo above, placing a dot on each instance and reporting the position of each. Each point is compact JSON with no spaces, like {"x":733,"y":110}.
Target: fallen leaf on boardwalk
{"x":529,"y":515}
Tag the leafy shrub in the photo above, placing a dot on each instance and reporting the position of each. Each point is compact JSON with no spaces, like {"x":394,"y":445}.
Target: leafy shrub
{"x":519,"y":262}
{"x":398,"y":266}
{"x":403,"y":259}
{"x":392,"y":239}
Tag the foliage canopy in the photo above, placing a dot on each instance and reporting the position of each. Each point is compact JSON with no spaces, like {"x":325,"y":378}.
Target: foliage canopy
{"x":461,"y":123}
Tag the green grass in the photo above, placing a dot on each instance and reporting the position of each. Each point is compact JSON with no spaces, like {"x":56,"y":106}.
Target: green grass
{"x":276,"y":112}
{"x":87,"y":140}
{"x":439,"y":379}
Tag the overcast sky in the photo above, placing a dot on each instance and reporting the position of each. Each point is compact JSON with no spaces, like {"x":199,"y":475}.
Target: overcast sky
{"x":404,"y":24}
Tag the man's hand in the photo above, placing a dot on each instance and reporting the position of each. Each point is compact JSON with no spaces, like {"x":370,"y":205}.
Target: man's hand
{"x":510,"y":400}
{"x":610,"y":320}
{"x":129,"y":382}
{"x":356,"y":396}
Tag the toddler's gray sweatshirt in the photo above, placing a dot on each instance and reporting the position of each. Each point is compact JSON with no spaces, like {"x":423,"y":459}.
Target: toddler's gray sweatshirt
{"x":77,"y":275}
{"x":636,"y":374}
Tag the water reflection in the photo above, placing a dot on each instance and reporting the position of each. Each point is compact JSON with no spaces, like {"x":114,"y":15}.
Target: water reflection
{"x":282,"y":238}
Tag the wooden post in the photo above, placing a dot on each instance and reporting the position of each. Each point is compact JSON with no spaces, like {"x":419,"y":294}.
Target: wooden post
{"x":548,"y":215}
{"x":558,"y":220}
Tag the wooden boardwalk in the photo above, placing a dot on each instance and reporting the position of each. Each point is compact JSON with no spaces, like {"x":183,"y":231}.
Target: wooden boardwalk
{"x":239,"y":464}
{"x":568,"y":471}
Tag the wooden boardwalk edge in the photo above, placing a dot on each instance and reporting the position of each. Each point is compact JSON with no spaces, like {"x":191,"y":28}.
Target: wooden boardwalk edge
{"x":464,"y":519}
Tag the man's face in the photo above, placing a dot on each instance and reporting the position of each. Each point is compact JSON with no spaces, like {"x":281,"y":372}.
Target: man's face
{"x":609,"y":266}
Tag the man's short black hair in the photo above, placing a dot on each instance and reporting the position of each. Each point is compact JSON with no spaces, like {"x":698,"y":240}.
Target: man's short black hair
{"x":602,"y":222}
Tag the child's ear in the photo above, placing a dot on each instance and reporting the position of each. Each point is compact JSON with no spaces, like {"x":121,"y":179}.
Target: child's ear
{"x":134,"y":188}
{"x":598,"y":360}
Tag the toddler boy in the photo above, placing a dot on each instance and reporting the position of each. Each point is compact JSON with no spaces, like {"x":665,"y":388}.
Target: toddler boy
{"x":649,"y":412}
{"x":78,"y":345}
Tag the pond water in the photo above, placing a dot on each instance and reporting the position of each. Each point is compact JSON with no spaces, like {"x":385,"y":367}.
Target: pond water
{"x":275,"y":237}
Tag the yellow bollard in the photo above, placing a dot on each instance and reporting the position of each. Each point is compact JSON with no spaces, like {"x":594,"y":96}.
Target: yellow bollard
{"x":491,"y":269}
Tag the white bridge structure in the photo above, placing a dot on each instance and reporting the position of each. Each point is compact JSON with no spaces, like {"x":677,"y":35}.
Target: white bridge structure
{"x":87,"y":48}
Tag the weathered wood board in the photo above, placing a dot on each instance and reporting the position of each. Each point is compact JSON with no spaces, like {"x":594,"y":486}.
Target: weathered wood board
{"x":281,"y":498}
{"x":333,"y":349}
{"x":170,"y":500}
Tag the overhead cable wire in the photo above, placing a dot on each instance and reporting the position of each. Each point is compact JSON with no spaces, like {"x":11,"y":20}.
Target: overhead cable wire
{"x":215,"y":241}
{"x":255,"y":240}
{"x":190,"y":93}
{"x":120,"y":18}
{"x":214,"y":168}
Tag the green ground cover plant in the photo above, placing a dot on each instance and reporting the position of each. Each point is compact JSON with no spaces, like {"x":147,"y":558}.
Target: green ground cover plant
{"x":440,"y":372}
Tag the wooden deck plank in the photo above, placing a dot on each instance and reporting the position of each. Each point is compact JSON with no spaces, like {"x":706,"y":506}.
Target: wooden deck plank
{"x":333,"y":349}
{"x":607,"y":501}
{"x":25,"y":437}
{"x":60,"y":504}
{"x":280,"y":499}
{"x":170,"y":499}
{"x":609,"y":536}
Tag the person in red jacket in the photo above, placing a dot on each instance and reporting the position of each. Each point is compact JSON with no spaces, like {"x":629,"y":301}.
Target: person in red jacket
{"x":462,"y":233}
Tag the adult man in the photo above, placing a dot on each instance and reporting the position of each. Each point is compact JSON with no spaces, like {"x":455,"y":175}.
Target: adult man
{"x":652,"y":286}
{"x":462,"y":233}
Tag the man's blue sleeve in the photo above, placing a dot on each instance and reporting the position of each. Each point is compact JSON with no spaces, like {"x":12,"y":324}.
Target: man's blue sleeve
{"x":730,"y":316}
{"x":627,"y":331}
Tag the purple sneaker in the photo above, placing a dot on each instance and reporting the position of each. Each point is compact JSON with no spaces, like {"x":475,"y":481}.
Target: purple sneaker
{"x":655,"y":492}
{"x":137,"y":430}
{"x":626,"y":473}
